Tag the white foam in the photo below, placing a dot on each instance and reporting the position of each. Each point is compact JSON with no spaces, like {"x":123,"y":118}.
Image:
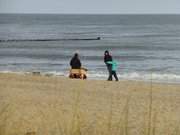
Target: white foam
{"x":8,"y":71}
{"x":155,"y":77}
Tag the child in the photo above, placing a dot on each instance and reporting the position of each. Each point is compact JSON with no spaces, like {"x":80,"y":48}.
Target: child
{"x":114,"y":68}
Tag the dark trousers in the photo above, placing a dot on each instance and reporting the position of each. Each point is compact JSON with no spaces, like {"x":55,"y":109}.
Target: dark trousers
{"x":115,"y":75}
{"x":111,"y":73}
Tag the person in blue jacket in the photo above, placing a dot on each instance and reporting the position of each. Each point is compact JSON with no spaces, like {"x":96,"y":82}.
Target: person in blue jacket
{"x":111,"y":66}
{"x":114,"y":68}
{"x":108,"y":57}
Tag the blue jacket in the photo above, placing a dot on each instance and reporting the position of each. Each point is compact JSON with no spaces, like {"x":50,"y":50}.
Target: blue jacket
{"x":114,"y":65}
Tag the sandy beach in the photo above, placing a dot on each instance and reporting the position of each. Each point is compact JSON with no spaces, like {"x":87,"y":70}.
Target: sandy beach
{"x":41,"y":105}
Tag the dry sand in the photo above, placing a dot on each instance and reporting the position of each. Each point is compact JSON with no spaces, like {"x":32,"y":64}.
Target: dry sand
{"x":42,"y":105}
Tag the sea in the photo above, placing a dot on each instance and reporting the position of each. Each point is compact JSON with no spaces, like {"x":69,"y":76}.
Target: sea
{"x":146,"y":47}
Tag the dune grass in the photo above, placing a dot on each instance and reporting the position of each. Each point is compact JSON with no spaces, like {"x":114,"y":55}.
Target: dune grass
{"x":59,"y":106}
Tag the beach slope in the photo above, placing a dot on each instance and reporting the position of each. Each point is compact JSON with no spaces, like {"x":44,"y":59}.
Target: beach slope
{"x":41,"y":105}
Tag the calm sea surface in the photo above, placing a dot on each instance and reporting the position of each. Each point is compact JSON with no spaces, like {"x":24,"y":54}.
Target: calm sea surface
{"x":145,"y":46}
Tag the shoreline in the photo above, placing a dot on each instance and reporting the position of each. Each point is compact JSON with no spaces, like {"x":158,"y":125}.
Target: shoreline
{"x":56,"y":74}
{"x":66,"y":78}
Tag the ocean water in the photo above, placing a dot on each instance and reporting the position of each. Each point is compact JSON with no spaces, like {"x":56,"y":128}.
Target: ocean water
{"x":147,"y":47}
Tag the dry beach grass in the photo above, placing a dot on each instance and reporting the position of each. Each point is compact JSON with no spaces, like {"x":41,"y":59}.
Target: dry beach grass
{"x":43,"y":105}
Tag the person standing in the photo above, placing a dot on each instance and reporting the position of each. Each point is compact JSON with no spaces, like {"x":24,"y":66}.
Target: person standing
{"x":111,"y":65}
{"x":108,"y":57}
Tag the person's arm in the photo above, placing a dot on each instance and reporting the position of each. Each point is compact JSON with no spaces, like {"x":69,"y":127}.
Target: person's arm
{"x":70,"y":62}
{"x":109,"y":62}
{"x":79,"y":63}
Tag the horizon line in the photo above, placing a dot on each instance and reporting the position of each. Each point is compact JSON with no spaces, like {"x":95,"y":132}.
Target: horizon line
{"x":95,"y":13}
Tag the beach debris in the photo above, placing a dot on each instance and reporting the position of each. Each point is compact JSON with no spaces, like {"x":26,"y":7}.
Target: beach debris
{"x":78,"y":73}
{"x":36,"y":73}
{"x":31,"y":133}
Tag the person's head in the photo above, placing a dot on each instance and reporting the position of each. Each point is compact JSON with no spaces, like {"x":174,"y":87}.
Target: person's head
{"x":106,"y":52}
{"x":76,"y":55}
